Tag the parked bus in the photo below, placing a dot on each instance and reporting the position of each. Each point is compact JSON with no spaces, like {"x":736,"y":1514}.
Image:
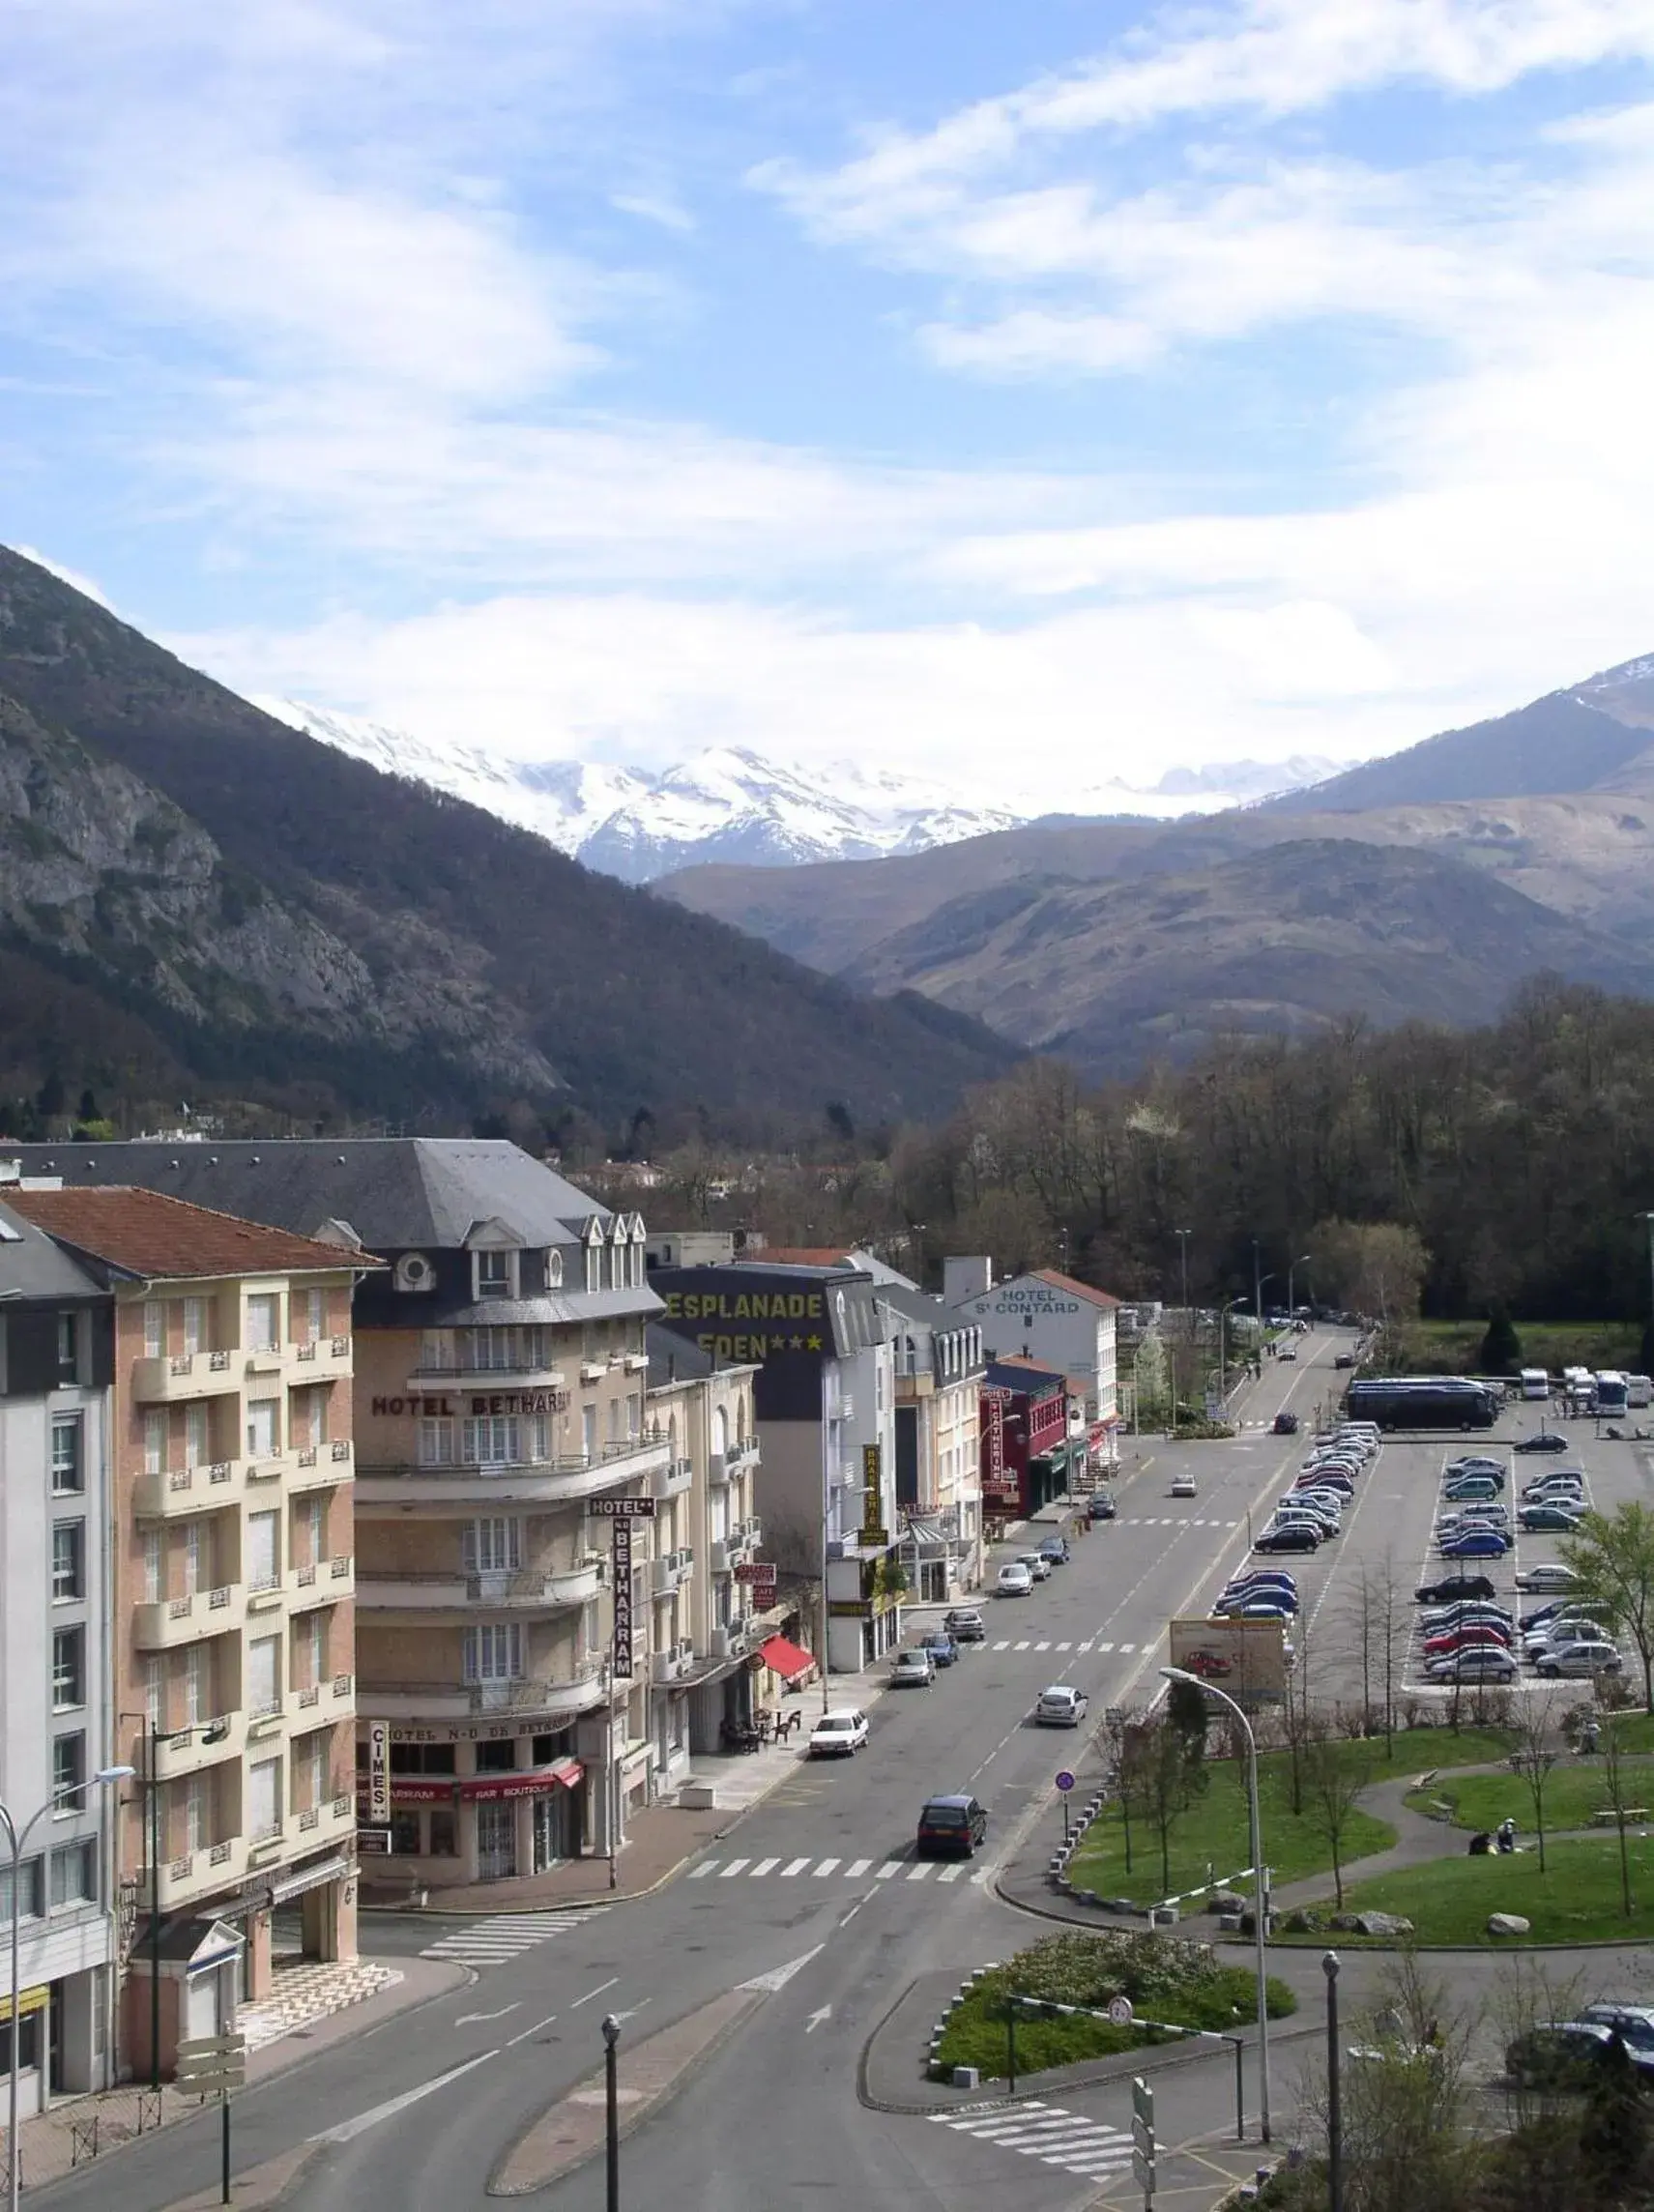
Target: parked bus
{"x":1611,"y":1396}
{"x":1535,"y":1382}
{"x":1639,"y":1391}
{"x":1423,"y":1402}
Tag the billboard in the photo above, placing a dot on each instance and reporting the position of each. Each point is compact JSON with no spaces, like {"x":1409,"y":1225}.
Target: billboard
{"x":1246,"y":1658}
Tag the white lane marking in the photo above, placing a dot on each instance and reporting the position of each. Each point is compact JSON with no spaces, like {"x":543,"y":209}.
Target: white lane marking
{"x":1105,"y":1646}
{"x":1065,"y":1648}
{"x":1125,"y":1647}
{"x":1004,"y":1644}
{"x":1042,"y":1647}
{"x":764,"y":1866}
{"x":889,"y":1868}
{"x":857,"y":1869}
{"x":699,"y":1873}
{"x":798,"y":1867}
{"x":528,"y":2031}
{"x":598,"y":1991}
{"x":1024,"y":1645}
{"x":347,"y":2131}
{"x":951,"y":1873}
{"x":825,"y":1866}
{"x":779,"y":1977}
{"x":733,"y":1868}
{"x":918,"y":1872}
{"x":1087,"y":1646}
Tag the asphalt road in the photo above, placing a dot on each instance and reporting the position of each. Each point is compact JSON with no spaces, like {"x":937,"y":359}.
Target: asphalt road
{"x":821,"y":1872}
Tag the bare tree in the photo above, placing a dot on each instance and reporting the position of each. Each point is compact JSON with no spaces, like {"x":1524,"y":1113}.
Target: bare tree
{"x":1299,"y":1723}
{"x":1170,"y":1775}
{"x":1616,"y":1778}
{"x":1335,"y":1775}
{"x":1536,"y":1753}
{"x":1377,"y":1621}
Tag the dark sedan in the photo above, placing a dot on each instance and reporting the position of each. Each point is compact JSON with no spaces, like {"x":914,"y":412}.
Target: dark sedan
{"x":1547,"y":1439}
{"x":1298,"y":1537}
{"x":1455,"y":1587}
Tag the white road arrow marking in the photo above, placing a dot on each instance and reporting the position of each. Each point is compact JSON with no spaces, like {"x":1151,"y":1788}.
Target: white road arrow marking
{"x":779,"y":1977}
{"x":816,"y":2018}
{"x":348,"y":2129}
{"x":466,"y":2018}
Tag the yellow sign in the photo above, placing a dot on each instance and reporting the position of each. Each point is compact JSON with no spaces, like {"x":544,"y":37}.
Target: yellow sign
{"x":28,"y":2000}
{"x":872,"y":1498}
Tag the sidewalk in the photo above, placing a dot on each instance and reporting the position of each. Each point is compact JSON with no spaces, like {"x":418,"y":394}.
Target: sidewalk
{"x":660,"y":1839}
{"x":73,"y":2131}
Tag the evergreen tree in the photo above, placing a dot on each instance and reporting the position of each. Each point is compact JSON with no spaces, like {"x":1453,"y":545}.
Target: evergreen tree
{"x":1502,"y":1346}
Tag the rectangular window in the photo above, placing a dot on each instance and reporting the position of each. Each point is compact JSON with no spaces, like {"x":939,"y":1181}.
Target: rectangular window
{"x":197,"y":1685}
{"x":310,"y":1313}
{"x":152,"y":1567}
{"x":155,"y":1442}
{"x":68,"y":1773}
{"x":68,"y":1560}
{"x":436,"y":1443}
{"x":74,"y":1876}
{"x":311,"y":1770}
{"x":634,"y":1415}
{"x":310,"y":1531}
{"x":155,"y":1691}
{"x":263,"y":1428}
{"x":68,"y":1668}
{"x":195,"y":1325}
{"x":197,"y":1827}
{"x":67,"y":1347}
{"x":264,"y":1799}
{"x":264,"y":1675}
{"x":445,"y":1835}
{"x":493,"y":1546}
{"x":405,"y":1835}
{"x":494,"y":1652}
{"x":263,"y":1551}
{"x":493,"y":1443}
{"x":197,"y":1557}
{"x":494,"y":1274}
{"x":310,"y":1417}
{"x":154,"y":1328}
{"x":493,"y":1348}
{"x":198,"y":1440}
{"x":310,"y":1650}
{"x":28,"y":1890}
{"x":589,"y":1431}
{"x":264,"y":1321}
{"x":68,"y":1462}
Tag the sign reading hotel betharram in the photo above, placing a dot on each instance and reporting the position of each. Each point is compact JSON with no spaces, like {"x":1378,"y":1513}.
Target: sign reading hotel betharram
{"x":622,"y":1580}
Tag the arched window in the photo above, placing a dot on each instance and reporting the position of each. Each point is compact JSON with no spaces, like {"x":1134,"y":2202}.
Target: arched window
{"x":720,"y":1432}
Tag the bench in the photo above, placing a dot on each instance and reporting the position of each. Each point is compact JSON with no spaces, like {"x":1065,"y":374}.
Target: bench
{"x":1607,"y":1816}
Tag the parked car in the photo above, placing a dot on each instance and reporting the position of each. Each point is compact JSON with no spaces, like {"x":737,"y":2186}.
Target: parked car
{"x":1549,"y":1575}
{"x":1343,"y":1359}
{"x":965,"y":1624}
{"x":1470,"y":1635}
{"x":838,"y":1734}
{"x":1475,"y":1615}
{"x":952,"y":1827}
{"x":1037,"y":1565}
{"x":1565,"y":2054}
{"x":1211,"y":1666}
{"x":1565,"y":1627}
{"x":1184,"y":1485}
{"x":1285,"y":1424}
{"x":1103,"y":1506}
{"x":940,"y":1647}
{"x":1482,"y":1663}
{"x":1466,"y":1487}
{"x":1547,"y":1441}
{"x":1576,"y":1659}
{"x":1475,"y":1544}
{"x":1635,"y":2023}
{"x":1263,"y":1581}
{"x":1564,"y":1483}
{"x":1300,"y":1538}
{"x":1474,"y":1462}
{"x":1260,"y":1608}
{"x":1013,"y":1580}
{"x":912,"y":1670}
{"x":1055,"y":1549}
{"x":1455,"y":1586}
{"x":1060,"y":1708}
{"x":1286,"y":1352}
{"x":1547,"y":1516}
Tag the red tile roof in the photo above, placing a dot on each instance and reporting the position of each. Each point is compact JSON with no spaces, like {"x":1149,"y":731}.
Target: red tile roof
{"x":148,"y":1233}
{"x":1076,"y":1289}
{"x":795,"y":1256}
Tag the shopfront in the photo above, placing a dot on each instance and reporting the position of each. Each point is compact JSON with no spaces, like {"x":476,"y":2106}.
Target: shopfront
{"x":487,"y":1810}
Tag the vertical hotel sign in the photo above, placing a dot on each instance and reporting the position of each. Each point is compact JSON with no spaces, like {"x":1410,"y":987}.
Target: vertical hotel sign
{"x":874,"y":1534}
{"x":622,"y":1573}
{"x":378,"y":1774}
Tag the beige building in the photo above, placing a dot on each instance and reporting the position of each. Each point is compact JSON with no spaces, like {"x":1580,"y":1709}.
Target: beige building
{"x":939,"y":1369}
{"x":233,"y":1579}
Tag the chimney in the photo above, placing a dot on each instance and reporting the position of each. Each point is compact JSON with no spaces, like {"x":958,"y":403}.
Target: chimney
{"x":962,"y":1279}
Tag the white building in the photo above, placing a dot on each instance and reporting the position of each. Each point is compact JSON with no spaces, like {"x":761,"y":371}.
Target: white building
{"x":1051,"y":1317}
{"x":939,"y":1366}
{"x":56,"y":1360}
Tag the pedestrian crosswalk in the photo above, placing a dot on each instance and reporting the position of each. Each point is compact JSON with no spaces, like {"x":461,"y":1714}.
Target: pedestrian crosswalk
{"x":1170,"y":1521}
{"x":1048,"y":2132}
{"x":506,"y":1935}
{"x":808,"y":1869}
{"x":1005,"y":1643}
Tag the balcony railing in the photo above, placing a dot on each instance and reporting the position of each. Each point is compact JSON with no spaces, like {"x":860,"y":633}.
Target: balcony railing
{"x":575,"y":1690}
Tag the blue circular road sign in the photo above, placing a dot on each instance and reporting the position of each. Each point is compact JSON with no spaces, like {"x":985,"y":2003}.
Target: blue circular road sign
{"x":1065,"y":1780}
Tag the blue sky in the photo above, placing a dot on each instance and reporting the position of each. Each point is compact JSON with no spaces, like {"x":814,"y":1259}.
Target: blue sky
{"x":1024,"y":396}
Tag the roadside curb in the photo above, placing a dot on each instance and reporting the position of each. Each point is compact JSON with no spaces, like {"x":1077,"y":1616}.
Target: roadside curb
{"x":263,"y":2188}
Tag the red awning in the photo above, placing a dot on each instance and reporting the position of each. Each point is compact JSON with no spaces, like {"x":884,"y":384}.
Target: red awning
{"x":474,"y":1788}
{"x":786,"y":1659}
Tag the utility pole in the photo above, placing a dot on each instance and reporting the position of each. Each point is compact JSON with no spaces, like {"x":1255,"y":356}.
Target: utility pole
{"x":1187,"y":1327}
{"x":1648,"y":1218}
{"x":1256,"y":1290}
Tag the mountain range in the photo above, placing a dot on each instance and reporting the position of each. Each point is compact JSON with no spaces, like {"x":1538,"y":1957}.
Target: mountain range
{"x":1426,"y":885}
{"x":196,"y":898}
{"x":731,"y":806}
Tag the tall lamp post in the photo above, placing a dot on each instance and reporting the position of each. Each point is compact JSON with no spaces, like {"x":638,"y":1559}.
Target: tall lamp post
{"x":1223,"y":1313}
{"x":17,"y":1838}
{"x":612,"y":2110}
{"x":1259,"y":1887}
{"x":1334,"y":2090}
{"x":1649,"y":1219}
{"x":1186,"y":1325}
{"x":1292,"y":1266}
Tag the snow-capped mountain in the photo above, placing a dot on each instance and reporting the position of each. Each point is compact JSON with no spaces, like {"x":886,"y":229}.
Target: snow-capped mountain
{"x":725,"y":804}
{"x":731,"y":806}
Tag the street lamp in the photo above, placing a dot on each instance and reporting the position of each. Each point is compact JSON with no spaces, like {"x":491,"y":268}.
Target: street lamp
{"x":1649,"y":1219}
{"x":1223,"y":1313}
{"x":612,"y":2110}
{"x":1259,"y":1887}
{"x":1334,"y":2090}
{"x":1185,"y":1326}
{"x":17,"y":1838}
{"x":1292,"y":1266}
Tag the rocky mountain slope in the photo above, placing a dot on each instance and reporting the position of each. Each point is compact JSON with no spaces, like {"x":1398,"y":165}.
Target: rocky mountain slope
{"x":192,"y":892}
{"x":1020,"y":921}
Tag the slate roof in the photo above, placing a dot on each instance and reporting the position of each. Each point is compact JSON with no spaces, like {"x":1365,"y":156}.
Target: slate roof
{"x":397,"y":1193}
{"x":33,"y":1267}
{"x":146,"y":1232}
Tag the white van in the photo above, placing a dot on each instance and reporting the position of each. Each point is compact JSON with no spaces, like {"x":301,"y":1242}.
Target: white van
{"x":1535,"y":1382}
{"x":1640,"y":1390}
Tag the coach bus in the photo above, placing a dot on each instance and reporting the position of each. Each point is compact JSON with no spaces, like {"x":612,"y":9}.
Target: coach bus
{"x":1423,"y":1402}
{"x":1612,"y":1394}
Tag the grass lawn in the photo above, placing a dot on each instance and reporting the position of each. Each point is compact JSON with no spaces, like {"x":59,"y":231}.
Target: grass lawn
{"x":1571,"y":1794}
{"x":1165,"y":1978}
{"x":1576,"y":1899}
{"x":1553,"y":1345}
{"x":1214,"y":1830}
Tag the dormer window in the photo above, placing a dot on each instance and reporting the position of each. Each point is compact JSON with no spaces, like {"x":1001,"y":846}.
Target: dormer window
{"x":496,"y":1274}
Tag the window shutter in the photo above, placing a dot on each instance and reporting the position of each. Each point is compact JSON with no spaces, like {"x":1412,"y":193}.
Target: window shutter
{"x":471,"y":1660}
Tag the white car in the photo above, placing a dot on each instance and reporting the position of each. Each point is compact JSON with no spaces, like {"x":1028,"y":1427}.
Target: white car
{"x":1570,"y":1627}
{"x":1550,"y":1574}
{"x":1481,"y":1663}
{"x":1183,"y":1486}
{"x":911,"y":1669}
{"x":1037,"y":1565}
{"x":838,"y":1734}
{"x":1587,"y":1657}
{"x":1013,"y":1580}
{"x":1061,"y":1707}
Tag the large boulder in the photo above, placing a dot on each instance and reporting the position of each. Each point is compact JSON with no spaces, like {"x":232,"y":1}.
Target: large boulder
{"x":1382,"y":1924}
{"x":1303,"y":1921}
{"x":1225,"y":1901}
{"x":1506,"y":1924}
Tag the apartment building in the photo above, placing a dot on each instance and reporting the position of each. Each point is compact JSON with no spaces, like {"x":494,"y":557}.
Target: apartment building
{"x":56,"y":1361}
{"x":1062,"y":1323}
{"x":824,"y":1390}
{"x":706,"y":1629}
{"x":232,"y":1581}
{"x":937,"y":1362}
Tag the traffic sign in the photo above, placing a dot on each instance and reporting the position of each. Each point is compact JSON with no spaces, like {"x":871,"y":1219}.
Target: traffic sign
{"x":1120,"y":2011}
{"x":1143,"y":2100}
{"x":1143,"y":2136}
{"x":1064,"y":1780}
{"x":1142,"y":2173}
{"x":211,"y":2065}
